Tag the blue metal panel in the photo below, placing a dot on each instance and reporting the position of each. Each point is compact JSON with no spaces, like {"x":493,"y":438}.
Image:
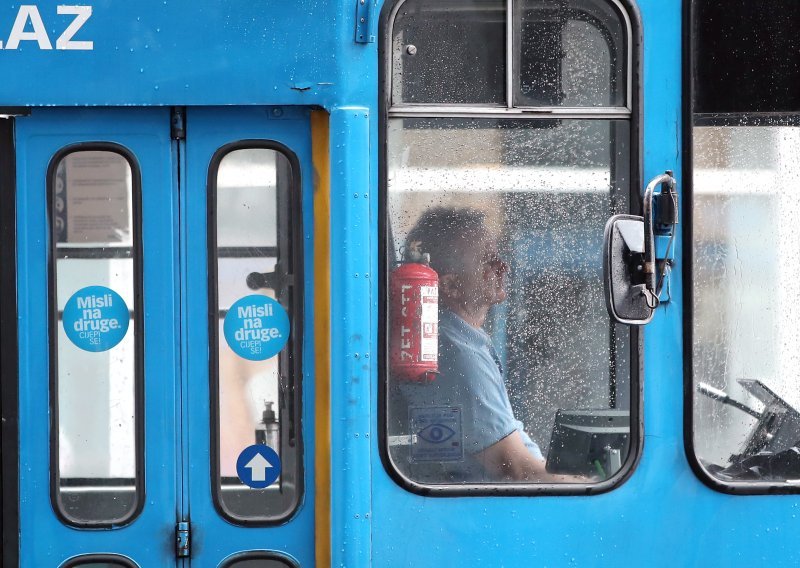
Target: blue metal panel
{"x":207,"y":131}
{"x":44,"y":540}
{"x":179,"y":52}
{"x":352,"y":341}
{"x":663,"y":515}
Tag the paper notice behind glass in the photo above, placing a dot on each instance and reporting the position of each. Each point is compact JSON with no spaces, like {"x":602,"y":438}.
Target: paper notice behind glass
{"x":97,"y":206}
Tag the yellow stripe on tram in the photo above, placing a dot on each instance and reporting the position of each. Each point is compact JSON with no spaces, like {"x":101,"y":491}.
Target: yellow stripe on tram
{"x":322,"y":286}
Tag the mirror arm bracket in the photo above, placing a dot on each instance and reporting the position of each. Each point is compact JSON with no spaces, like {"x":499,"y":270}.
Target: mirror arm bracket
{"x":667,"y":201}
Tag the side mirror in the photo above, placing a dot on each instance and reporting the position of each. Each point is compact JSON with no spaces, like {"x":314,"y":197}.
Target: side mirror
{"x":628,"y":299}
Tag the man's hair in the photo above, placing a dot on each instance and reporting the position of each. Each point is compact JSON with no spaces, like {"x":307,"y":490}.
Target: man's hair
{"x":447,"y":234}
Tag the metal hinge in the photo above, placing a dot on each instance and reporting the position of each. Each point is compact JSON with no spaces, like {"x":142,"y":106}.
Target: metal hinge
{"x":364,"y":11}
{"x":177,"y":123}
{"x":183,"y":539}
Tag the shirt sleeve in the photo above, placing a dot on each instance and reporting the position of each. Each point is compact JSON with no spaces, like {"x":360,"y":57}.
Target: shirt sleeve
{"x":532,"y":446}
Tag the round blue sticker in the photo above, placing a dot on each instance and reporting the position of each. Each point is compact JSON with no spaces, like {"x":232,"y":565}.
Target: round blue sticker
{"x":258,"y":466}
{"x":96,"y":318}
{"x":256,"y":327}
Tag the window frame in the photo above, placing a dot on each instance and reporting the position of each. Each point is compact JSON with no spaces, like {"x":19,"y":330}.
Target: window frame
{"x":9,"y":353}
{"x":257,"y":555}
{"x":722,"y":119}
{"x":294,"y":347}
{"x":78,"y":561}
{"x":137,"y":327}
{"x":633,"y":112}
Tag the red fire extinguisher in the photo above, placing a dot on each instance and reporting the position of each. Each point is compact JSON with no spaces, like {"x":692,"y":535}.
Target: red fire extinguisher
{"x":414,"y":318}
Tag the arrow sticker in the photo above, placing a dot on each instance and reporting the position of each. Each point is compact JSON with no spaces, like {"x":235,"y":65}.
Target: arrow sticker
{"x":258,"y":466}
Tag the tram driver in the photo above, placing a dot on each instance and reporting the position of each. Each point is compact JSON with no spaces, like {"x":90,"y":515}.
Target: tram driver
{"x":472,"y":279}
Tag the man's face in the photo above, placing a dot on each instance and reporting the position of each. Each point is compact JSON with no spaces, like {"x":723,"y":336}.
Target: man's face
{"x":481,"y":280}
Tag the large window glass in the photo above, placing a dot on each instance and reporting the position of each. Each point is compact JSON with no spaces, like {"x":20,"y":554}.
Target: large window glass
{"x":255,"y":369}
{"x":502,"y":365}
{"x":426,"y":38}
{"x":569,"y":53}
{"x":745,"y":425}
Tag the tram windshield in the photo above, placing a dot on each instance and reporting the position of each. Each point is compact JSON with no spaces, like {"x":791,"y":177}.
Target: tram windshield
{"x":744,"y":308}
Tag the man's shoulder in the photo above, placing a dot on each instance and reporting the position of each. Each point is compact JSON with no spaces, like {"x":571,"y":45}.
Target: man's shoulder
{"x":458,"y":335}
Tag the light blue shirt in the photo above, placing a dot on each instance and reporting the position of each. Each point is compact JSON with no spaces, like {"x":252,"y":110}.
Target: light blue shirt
{"x":470,"y":378}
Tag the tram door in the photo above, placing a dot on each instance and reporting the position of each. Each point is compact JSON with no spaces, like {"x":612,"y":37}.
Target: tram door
{"x":160,"y":279}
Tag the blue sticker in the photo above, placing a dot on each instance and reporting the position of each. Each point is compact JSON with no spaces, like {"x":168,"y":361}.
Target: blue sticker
{"x":256,"y":327}
{"x":258,"y":466}
{"x":437,"y":433}
{"x":96,"y":318}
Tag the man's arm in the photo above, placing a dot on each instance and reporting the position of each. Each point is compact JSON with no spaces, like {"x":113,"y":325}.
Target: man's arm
{"x":510,"y":460}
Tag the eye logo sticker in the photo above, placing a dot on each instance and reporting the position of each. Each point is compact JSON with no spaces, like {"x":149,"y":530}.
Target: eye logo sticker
{"x":256,"y":327}
{"x":96,"y":318}
{"x":436,"y":433}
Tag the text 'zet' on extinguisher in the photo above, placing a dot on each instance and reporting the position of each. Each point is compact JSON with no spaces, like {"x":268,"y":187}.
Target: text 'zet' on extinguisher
{"x":414,"y":318}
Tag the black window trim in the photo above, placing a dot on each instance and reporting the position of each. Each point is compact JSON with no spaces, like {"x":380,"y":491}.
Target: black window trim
{"x":9,"y":372}
{"x":258,"y":555}
{"x":634,"y":46}
{"x":138,"y":329}
{"x":735,"y":487}
{"x":291,"y":393}
{"x":83,"y":559}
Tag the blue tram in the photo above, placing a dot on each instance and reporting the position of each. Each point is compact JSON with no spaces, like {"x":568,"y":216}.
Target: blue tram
{"x":413,"y":283}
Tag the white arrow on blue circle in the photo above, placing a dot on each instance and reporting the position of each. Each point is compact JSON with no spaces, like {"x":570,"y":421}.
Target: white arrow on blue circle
{"x":258,"y":468}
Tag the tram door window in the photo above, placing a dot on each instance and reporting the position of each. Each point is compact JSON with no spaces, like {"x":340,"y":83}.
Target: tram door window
{"x":167,"y":275}
{"x":507,"y":201}
{"x":95,"y":228}
{"x":252,"y":238}
{"x":745,"y":131}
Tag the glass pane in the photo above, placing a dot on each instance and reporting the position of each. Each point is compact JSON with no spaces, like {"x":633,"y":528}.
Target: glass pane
{"x":745,"y":309}
{"x":246,"y":202}
{"x":533,"y":380}
{"x":746,"y":56}
{"x":449,"y":52}
{"x":253,"y":235}
{"x":96,"y":343}
{"x":569,"y":53}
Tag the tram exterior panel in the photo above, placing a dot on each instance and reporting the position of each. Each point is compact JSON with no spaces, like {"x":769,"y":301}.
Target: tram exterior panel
{"x":206,"y":208}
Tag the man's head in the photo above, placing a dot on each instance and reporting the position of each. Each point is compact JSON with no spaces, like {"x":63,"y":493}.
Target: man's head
{"x":464,"y":254}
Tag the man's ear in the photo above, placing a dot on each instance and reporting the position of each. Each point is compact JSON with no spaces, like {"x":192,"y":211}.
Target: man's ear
{"x":449,"y":286}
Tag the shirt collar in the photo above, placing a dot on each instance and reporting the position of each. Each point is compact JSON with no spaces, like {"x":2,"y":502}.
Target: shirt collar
{"x":465,"y":330}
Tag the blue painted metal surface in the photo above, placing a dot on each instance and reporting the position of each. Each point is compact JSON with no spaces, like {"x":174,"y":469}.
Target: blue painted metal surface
{"x":663,"y":515}
{"x":175,"y":311}
{"x":44,"y":540}
{"x":353,"y":346}
{"x":304,"y":53}
{"x":179,"y":52}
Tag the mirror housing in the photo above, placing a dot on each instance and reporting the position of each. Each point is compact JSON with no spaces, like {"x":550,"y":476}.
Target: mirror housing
{"x":628,"y":298}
